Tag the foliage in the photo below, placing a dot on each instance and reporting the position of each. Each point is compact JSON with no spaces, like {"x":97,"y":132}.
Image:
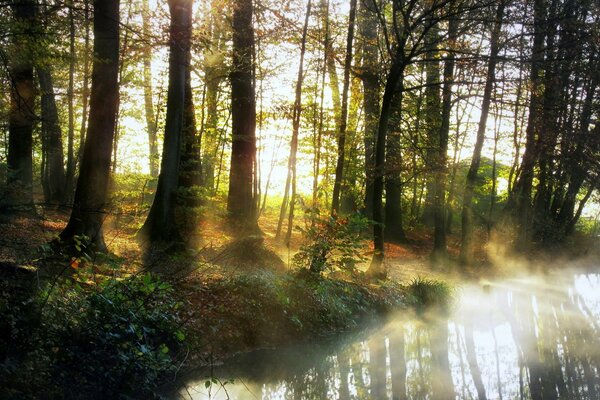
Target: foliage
{"x":96,"y":341}
{"x":331,"y":242}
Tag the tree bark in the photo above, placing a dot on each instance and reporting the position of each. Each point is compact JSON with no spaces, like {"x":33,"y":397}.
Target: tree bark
{"x":161,"y":224}
{"x":341,"y":139}
{"x":21,"y":116}
{"x":396,"y":73}
{"x":190,"y":177}
{"x":53,"y":179}
{"x":441,"y":159}
{"x":92,"y":185}
{"x":148,"y":104}
{"x":370,"y":80}
{"x":240,"y":200}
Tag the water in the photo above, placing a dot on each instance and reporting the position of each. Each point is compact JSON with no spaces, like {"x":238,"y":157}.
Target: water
{"x":530,"y":338}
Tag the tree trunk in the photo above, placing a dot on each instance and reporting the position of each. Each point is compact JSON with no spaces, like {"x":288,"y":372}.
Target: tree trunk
{"x":341,"y":139}
{"x":441,"y":159}
{"x":54,"y":176}
{"x":370,"y":80}
{"x":396,"y":73}
{"x":148,"y":104}
{"x":70,"y":171}
{"x":394,"y":228}
{"x":240,"y":200}
{"x":432,"y":118}
{"x":84,"y":103}
{"x":21,"y":116}
{"x":160,"y":224}
{"x":520,"y":199}
{"x":291,"y":178}
{"x":466,"y":250}
{"x":190,"y":177}
{"x":92,"y":185}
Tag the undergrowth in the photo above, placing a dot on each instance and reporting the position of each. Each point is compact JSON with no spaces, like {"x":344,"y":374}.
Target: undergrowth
{"x":78,"y":339}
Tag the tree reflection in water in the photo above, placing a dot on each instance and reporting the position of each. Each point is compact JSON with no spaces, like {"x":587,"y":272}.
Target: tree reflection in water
{"x":518,"y":339}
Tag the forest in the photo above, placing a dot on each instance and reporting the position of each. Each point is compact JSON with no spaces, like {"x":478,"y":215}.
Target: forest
{"x":304,"y":199}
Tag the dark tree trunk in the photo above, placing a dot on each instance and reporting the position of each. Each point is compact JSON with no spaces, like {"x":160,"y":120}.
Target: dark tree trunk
{"x":70,"y":171}
{"x":520,"y":199}
{"x":396,"y":73}
{"x":441,"y":161}
{"x":70,"y":178}
{"x":394,"y":224}
{"x":370,"y":80}
{"x":151,"y":125}
{"x":92,"y":185}
{"x":21,"y":115}
{"x":240,"y":200}
{"x":341,"y":139}
{"x":160,"y":224}
{"x":466,"y":250}
{"x":190,"y":177}
{"x":53,"y":179}
{"x":431,"y":117}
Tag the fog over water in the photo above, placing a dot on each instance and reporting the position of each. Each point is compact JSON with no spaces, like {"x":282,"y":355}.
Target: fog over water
{"x":528,"y":338}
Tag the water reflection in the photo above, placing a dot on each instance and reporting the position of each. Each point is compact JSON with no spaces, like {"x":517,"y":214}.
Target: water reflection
{"x":516,"y":339}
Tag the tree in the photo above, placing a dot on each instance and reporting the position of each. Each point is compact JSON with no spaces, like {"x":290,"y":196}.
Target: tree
{"x":297,"y":113}
{"x":339,"y":168}
{"x":241,"y":204}
{"x":441,"y":162}
{"x":22,"y":101}
{"x":370,"y":79}
{"x":190,"y":176}
{"x":160,"y":224}
{"x":151,"y":122}
{"x":53,"y":170}
{"x":89,"y":203}
{"x":466,"y":250}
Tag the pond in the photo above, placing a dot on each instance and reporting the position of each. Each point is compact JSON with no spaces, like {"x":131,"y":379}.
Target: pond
{"x":528,"y":338}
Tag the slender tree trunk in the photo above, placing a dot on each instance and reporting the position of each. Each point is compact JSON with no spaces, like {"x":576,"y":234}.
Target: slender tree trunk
{"x":370,"y":80}
{"x":240,"y":200}
{"x":161,"y":224}
{"x":213,"y":75}
{"x":432,"y":119}
{"x":520,"y":199}
{"x":466,"y":250}
{"x":85,"y":97}
{"x":441,"y":159}
{"x":394,"y":223}
{"x":54,"y":177}
{"x":148,"y":104}
{"x":21,"y":116}
{"x":92,"y":185}
{"x":296,"y":126}
{"x":396,"y":73}
{"x":70,"y":172}
{"x":341,"y":140}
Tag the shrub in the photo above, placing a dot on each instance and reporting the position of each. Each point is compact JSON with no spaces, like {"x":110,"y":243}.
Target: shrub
{"x":331,"y":242}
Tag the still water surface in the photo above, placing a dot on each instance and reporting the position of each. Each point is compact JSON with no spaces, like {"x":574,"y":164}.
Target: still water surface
{"x":530,"y":338}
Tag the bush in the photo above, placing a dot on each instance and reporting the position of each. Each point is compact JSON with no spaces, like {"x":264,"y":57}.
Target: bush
{"x":331,"y":242}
